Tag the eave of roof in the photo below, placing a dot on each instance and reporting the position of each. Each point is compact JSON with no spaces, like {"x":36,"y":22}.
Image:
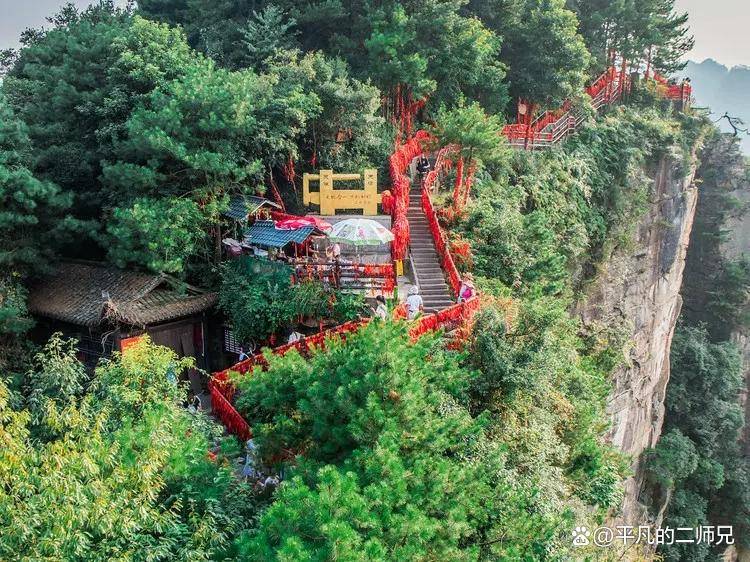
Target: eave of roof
{"x":90,"y":294}
{"x":240,"y":207}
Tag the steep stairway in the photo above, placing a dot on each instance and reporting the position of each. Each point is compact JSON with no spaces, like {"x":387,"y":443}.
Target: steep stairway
{"x":425,"y":260}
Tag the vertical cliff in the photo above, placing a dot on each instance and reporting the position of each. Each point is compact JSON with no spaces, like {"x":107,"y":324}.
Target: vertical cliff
{"x":639,"y":292}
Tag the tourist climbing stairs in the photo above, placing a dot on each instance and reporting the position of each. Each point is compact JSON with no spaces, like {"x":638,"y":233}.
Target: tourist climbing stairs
{"x":425,"y":260}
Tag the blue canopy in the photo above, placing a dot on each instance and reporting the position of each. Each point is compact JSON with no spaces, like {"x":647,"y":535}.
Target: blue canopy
{"x":265,"y":233}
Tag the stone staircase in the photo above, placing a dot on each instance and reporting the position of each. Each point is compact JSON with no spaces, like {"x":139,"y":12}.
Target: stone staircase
{"x":424,"y":258}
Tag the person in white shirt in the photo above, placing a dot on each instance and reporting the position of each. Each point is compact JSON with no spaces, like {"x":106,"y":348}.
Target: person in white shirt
{"x":414,"y":303}
{"x":467,"y":289}
{"x":334,"y":251}
{"x":294,"y":337}
{"x":381,"y":311}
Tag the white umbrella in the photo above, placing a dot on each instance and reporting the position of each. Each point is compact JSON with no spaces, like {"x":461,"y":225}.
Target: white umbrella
{"x":360,"y":232}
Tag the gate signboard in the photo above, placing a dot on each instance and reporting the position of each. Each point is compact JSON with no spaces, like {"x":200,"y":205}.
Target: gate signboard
{"x":331,"y":199}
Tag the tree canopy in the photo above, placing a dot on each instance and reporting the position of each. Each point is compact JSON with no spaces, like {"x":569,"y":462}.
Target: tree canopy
{"x":547,"y":58}
{"x":646,"y":31}
{"x":409,"y":47}
{"x":112,"y":466}
{"x":77,"y":84}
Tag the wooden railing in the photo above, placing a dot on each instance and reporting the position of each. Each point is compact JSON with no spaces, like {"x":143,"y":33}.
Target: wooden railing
{"x":551,"y":127}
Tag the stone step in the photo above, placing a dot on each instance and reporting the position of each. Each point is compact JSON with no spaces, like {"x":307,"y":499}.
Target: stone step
{"x":433,"y":285}
{"x":425,"y":252}
{"x":437,"y":307}
{"x":443,"y":301}
{"x":430,"y":271}
{"x":438,"y":304}
{"x":434,"y":294}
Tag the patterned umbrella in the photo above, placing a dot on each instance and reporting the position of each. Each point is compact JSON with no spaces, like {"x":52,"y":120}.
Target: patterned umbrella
{"x":360,"y":232}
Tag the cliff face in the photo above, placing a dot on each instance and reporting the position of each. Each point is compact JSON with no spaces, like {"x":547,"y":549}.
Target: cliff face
{"x":640,"y":292}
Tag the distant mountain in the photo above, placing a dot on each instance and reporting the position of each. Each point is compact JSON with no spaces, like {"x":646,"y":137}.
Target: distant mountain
{"x":722,"y":89}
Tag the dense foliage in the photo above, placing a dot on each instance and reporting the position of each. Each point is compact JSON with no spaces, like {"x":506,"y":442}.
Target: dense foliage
{"x":716,"y":289}
{"x":401,"y":463}
{"x":644,"y":32}
{"x":77,"y":84}
{"x":112,"y":467}
{"x":259,"y":298}
{"x":546,"y":55}
{"x":127,"y":119}
{"x":33,"y":221}
{"x":423,"y":48}
{"x":142,"y":122}
{"x":546,"y":216}
{"x":699,"y":464}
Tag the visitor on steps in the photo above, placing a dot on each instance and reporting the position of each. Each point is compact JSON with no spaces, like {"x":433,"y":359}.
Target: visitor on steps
{"x":381,"y":310}
{"x":423,"y":167}
{"x":414,"y":303}
{"x":467,"y":290}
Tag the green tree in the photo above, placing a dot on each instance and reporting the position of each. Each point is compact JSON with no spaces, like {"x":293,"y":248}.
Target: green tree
{"x":476,"y":136}
{"x":259,"y":297}
{"x":256,"y":296}
{"x":157,"y":234}
{"x":698,"y":461}
{"x":384,"y":410}
{"x":716,"y":291}
{"x":647,"y":31}
{"x":77,"y":84}
{"x":409,"y":49}
{"x":547,"y":58}
{"x":347,"y":132}
{"x":265,"y":35}
{"x":380,"y":408}
{"x":210,"y":133}
{"x":33,"y":222}
{"x":33,"y":211}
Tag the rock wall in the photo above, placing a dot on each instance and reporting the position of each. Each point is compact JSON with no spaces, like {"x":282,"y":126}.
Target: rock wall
{"x":640,"y":292}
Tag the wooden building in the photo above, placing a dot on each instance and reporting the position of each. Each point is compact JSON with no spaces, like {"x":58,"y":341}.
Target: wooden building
{"x":103,"y":306}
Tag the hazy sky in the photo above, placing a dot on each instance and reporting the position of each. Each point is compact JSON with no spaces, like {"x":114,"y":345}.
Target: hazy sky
{"x":721,"y":27}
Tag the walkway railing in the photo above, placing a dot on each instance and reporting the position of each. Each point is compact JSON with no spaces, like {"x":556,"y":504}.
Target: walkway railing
{"x":551,"y":127}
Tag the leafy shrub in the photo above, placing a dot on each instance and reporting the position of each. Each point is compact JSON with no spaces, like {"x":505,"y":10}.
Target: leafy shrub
{"x":256,"y":295}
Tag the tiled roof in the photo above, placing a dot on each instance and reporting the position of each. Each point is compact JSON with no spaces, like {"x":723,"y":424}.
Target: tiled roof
{"x":240,"y":207}
{"x":87,"y":294}
{"x":264,"y":233}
